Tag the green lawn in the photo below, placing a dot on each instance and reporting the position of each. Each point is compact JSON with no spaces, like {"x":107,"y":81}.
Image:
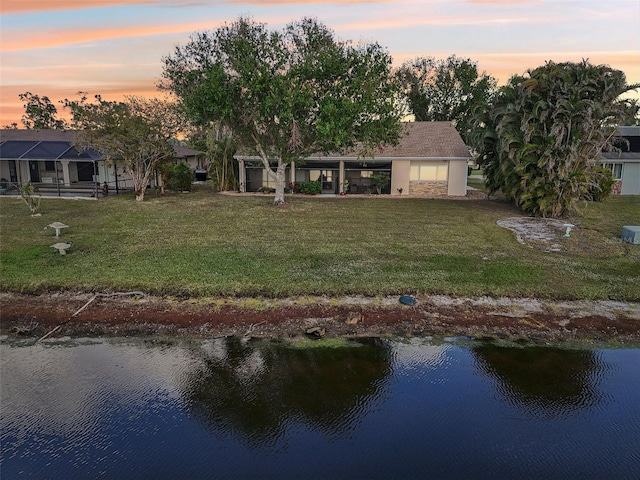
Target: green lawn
{"x":203,"y":244}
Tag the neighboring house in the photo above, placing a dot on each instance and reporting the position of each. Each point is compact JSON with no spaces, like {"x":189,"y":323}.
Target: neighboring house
{"x":194,"y":158}
{"x":625,"y":164}
{"x":48,"y":160}
{"x":430,"y":159}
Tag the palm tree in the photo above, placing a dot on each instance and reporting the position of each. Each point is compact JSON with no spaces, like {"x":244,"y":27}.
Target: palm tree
{"x":541,"y":139}
{"x":221,"y":147}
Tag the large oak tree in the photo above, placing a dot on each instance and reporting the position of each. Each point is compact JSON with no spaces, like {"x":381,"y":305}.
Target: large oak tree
{"x":286,"y":94}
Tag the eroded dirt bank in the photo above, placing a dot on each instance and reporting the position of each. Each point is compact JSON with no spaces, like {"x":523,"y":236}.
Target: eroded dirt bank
{"x":85,"y":314}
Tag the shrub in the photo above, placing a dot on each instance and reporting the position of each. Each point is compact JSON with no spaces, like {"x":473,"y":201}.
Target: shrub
{"x":381,"y":181}
{"x":603,"y":182}
{"x":28,"y":194}
{"x":311,"y":188}
{"x":179,"y":177}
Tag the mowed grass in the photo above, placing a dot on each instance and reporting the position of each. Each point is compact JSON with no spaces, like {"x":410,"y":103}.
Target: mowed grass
{"x":206,"y":244}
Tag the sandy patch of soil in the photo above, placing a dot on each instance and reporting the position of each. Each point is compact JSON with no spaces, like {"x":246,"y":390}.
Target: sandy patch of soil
{"x":437,"y":315}
{"x":542,"y":233}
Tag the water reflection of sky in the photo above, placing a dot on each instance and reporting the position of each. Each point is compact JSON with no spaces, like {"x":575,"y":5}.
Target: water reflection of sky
{"x":139,"y":408}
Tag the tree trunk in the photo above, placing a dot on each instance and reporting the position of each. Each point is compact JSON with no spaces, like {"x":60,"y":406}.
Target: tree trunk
{"x":141,"y":179}
{"x":138,"y":181}
{"x":280,"y":182}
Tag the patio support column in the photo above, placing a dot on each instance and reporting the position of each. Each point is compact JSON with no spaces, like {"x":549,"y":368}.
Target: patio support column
{"x":115,"y":174}
{"x":57,"y":177}
{"x":341,"y":176}
{"x":242,"y":173}
{"x":96,"y":181}
{"x":292,"y":173}
{"x":65,"y":173}
{"x":19,"y":171}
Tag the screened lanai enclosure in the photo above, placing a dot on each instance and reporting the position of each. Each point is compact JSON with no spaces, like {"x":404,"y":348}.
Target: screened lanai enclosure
{"x":334,"y":176}
{"x":48,"y":160}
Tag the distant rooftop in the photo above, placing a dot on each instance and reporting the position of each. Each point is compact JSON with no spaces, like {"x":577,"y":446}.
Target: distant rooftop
{"x":42,"y":145}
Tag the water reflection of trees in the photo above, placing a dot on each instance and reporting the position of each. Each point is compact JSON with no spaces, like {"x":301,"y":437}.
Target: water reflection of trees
{"x":252,"y":390}
{"x":548,"y":382}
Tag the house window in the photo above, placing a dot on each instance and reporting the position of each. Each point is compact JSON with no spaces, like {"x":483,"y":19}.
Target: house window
{"x":616,"y":170}
{"x":430,"y":172}
{"x":50,"y":166}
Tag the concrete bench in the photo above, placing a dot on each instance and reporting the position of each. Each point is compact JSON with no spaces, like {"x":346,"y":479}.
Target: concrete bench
{"x":631,"y":234}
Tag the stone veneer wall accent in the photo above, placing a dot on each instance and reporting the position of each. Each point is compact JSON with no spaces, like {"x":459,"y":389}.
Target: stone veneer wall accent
{"x":616,"y":188}
{"x":428,"y":188}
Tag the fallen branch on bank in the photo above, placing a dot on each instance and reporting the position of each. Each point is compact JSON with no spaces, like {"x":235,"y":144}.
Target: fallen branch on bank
{"x":251,"y":327}
{"x":58,"y":327}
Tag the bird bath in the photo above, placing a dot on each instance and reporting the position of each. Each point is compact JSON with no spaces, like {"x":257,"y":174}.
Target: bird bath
{"x":62,"y":247}
{"x":57,"y":226}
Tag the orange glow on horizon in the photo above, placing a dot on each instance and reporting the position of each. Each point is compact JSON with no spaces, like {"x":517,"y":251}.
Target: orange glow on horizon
{"x":11,"y":108}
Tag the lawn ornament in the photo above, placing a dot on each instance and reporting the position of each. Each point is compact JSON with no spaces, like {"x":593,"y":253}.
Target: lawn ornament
{"x":57,"y":226}
{"x":62,"y":247}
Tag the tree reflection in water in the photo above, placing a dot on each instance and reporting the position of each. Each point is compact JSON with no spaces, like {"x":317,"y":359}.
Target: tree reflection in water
{"x":253,"y":390}
{"x":545,"y":382}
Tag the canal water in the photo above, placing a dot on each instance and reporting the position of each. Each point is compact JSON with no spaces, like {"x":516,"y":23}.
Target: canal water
{"x":232,"y":408}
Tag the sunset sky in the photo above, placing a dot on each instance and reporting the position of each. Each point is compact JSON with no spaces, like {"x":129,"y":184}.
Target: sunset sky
{"x":114,"y":47}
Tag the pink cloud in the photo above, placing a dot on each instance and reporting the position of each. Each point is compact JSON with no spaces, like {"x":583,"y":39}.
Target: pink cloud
{"x":13,"y":41}
{"x":502,"y":2}
{"x":268,"y":3}
{"x":25,"y":6}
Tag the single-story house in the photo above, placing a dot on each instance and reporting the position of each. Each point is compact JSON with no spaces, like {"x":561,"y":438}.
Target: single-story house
{"x":48,"y":160}
{"x":430,"y":159}
{"x":194,"y":158}
{"x":625,"y":164}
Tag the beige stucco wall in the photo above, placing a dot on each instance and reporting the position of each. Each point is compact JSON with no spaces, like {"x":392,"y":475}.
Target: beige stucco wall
{"x":400,"y":176}
{"x":457,"y":178}
{"x":455,"y":185}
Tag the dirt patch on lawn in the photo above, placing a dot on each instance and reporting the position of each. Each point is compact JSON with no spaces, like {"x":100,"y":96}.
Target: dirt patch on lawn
{"x":549,"y":235}
{"x":34,"y":316}
{"x":542,"y":233}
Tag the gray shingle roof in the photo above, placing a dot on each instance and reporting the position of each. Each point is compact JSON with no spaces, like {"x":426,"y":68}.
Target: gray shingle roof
{"x":183,"y":152}
{"x":42,"y":145}
{"x":15,"y":142}
{"x":419,"y":140}
{"x":37,"y":135}
{"x":427,"y":140}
